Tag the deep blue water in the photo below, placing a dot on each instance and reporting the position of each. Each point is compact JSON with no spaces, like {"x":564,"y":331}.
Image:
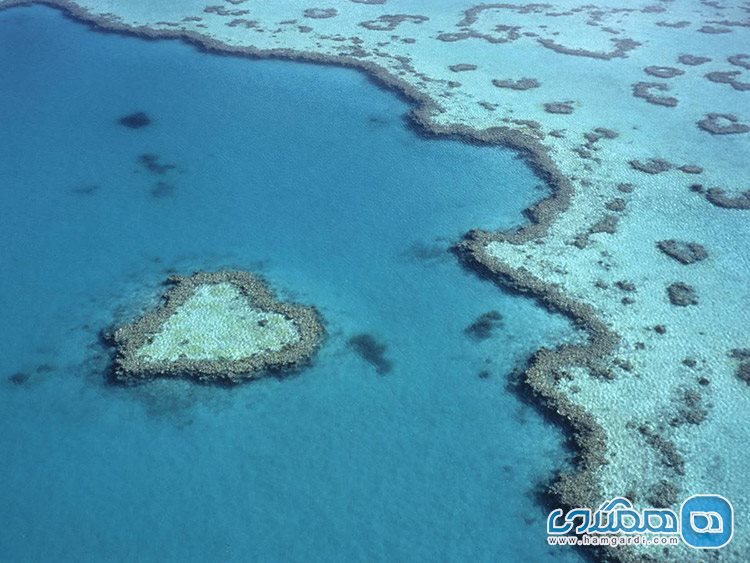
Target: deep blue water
{"x":309,"y":176}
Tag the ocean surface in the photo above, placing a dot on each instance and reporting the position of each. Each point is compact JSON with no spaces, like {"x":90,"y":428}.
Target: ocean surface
{"x":309,"y":176}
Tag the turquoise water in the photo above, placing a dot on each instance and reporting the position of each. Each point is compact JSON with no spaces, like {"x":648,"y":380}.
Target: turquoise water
{"x":309,"y":176}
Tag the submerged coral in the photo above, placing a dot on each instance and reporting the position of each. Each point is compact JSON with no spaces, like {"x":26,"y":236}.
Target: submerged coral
{"x":742,"y":60}
{"x":722,"y":124}
{"x":645,"y":90}
{"x":462,"y":67}
{"x":151,"y":163}
{"x":663,"y":71}
{"x":682,"y":251}
{"x":564,"y":108}
{"x":484,"y":326}
{"x":136,"y":120}
{"x":729,"y":77}
{"x":520,"y":84}
{"x":320,"y":13}
{"x":651,"y":166}
{"x":682,"y":294}
{"x":693,"y":60}
{"x":19,"y":378}
{"x":372,"y":351}
{"x":720,"y":198}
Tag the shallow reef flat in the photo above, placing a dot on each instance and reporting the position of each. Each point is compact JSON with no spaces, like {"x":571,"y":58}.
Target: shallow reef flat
{"x":218,"y":326}
{"x":638,"y":121}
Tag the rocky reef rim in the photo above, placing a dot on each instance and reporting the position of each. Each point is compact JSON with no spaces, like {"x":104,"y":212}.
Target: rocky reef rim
{"x":128,"y":340}
{"x":569,"y":490}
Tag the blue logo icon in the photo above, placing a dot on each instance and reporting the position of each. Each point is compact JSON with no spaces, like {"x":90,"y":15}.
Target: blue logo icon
{"x":706,"y":521}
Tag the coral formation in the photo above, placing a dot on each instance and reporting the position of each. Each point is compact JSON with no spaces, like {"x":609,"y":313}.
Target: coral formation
{"x":320,"y":13}
{"x":663,"y":71}
{"x":682,"y":294}
{"x":742,"y":60}
{"x":645,"y":90}
{"x":520,"y":84}
{"x":221,"y":326}
{"x":693,"y":60}
{"x":462,"y":67}
{"x":682,"y":251}
{"x":720,"y":198}
{"x":564,"y":108}
{"x":722,"y":124}
{"x":729,"y":77}
{"x":391,"y":22}
{"x":651,"y":166}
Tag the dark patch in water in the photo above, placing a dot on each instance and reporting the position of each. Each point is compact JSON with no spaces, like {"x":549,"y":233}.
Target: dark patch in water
{"x":484,"y":326}
{"x":369,"y":349}
{"x":377,"y":121}
{"x":135,"y":120}
{"x":425,"y":252}
{"x":19,"y":378}
{"x":663,"y":494}
{"x":162,"y":190}
{"x":564,"y":108}
{"x":743,"y":372}
{"x":86,"y":190}
{"x":151,"y":163}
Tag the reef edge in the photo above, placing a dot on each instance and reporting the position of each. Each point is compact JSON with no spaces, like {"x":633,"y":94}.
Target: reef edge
{"x":568,"y":490}
{"x":128,"y":339}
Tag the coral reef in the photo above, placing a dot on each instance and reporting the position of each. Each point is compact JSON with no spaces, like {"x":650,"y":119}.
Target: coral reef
{"x":693,"y":60}
{"x":719,"y":198}
{"x":320,"y":13}
{"x":682,"y":294}
{"x":645,"y":90}
{"x":670,"y":457}
{"x":564,"y":108}
{"x":682,"y":251}
{"x":712,"y":29}
{"x":663,"y":494}
{"x":729,"y":77}
{"x":722,"y":124}
{"x":663,"y":71}
{"x":391,"y":22}
{"x":221,"y":326}
{"x":651,"y":166}
{"x":742,"y":60}
{"x":462,"y":67}
{"x":520,"y":84}
{"x":531,"y":259}
{"x":622,"y":47}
